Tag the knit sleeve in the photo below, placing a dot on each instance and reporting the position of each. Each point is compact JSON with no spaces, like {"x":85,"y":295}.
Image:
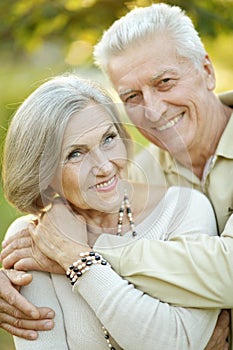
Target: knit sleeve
{"x":137,"y":321}
{"x":41,"y":292}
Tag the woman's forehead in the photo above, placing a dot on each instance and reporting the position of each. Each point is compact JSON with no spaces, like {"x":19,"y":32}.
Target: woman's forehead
{"x":90,"y":122}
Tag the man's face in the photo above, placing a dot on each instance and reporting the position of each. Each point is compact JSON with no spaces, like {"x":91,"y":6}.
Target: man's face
{"x":165,"y":95}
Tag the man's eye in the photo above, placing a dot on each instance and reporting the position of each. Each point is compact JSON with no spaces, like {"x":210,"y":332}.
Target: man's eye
{"x":166,"y":83}
{"x":165,"y":80}
{"x":134,"y":98}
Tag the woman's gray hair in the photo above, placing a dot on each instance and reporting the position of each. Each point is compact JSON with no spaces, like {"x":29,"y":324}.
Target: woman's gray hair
{"x":33,"y":143}
{"x":145,"y":23}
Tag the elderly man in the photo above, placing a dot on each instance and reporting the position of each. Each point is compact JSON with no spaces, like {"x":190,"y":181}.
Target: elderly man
{"x":162,"y":73}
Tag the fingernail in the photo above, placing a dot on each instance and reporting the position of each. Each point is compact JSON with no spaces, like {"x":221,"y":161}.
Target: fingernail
{"x":50,"y":314}
{"x":3,"y":244}
{"x":32,"y":335}
{"x":48,"y":324}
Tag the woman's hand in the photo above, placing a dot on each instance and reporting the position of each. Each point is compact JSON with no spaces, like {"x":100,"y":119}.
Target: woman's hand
{"x":20,"y":252}
{"x":60,"y":235}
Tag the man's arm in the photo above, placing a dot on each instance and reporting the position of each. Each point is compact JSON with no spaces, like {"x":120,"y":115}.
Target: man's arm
{"x":194,"y":272}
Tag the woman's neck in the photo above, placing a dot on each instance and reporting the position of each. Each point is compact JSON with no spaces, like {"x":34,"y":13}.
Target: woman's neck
{"x":142,"y":200}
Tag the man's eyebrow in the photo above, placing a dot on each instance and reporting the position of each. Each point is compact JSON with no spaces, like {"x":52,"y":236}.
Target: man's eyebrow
{"x":122,"y":93}
{"x":161,"y":74}
{"x":154,"y":78}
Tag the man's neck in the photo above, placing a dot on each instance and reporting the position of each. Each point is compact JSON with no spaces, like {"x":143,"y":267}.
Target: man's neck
{"x":206,"y":147}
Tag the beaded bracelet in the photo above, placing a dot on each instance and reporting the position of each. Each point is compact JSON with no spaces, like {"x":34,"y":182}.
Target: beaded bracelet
{"x":79,"y":267}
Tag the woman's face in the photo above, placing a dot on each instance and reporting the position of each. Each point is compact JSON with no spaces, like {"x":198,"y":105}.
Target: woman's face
{"x":93,"y":162}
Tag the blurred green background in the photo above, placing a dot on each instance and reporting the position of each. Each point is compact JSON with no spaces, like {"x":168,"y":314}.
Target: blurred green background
{"x":41,"y":38}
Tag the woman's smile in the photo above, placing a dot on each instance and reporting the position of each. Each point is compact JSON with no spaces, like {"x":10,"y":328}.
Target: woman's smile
{"x":107,"y":185}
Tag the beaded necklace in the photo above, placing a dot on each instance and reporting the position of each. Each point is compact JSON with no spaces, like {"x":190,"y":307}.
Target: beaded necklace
{"x":125,"y":207}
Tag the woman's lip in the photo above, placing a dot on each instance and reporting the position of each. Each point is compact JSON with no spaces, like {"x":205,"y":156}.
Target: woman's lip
{"x":105,"y":185}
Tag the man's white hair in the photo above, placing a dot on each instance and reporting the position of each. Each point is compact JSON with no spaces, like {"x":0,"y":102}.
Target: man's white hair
{"x":145,"y":23}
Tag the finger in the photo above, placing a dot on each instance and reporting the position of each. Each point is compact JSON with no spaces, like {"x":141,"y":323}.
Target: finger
{"x":22,"y":333}
{"x":221,"y":331}
{"x":36,"y":325}
{"x":224,"y":319}
{"x":9,"y":261}
{"x":226,"y":347}
{"x":15,"y":236}
{"x":9,"y":294}
{"x":9,"y":310}
{"x":27,"y":264}
{"x":18,"y":243}
{"x":8,"y":277}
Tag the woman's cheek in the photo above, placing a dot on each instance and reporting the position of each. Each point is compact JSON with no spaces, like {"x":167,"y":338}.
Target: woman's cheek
{"x":69,"y":182}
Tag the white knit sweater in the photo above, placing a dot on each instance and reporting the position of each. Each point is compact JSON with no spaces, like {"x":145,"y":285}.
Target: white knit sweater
{"x":135,"y":320}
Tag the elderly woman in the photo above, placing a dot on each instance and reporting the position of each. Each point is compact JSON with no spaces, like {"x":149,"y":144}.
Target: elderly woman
{"x":66,"y":155}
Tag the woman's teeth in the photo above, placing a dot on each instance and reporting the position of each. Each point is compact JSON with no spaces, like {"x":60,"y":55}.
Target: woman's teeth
{"x":105,"y":184}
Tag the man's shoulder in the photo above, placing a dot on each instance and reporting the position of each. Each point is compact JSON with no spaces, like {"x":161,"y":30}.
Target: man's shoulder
{"x":152,"y":153}
{"x":226,"y":98}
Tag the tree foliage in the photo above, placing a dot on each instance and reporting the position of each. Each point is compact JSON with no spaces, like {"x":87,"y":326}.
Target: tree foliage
{"x":26,"y":24}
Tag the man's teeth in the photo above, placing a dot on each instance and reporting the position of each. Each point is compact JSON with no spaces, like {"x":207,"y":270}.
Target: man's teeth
{"x":170,"y":123}
{"x":105,"y":184}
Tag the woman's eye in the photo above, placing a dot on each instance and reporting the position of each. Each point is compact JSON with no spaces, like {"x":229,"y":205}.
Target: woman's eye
{"x":109,"y":138}
{"x":74,"y":155}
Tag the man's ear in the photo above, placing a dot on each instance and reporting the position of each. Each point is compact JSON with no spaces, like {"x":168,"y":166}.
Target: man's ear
{"x":209,"y":73}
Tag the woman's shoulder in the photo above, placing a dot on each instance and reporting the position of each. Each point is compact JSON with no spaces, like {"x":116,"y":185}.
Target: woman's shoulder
{"x":19,"y":224}
{"x":187,"y":192}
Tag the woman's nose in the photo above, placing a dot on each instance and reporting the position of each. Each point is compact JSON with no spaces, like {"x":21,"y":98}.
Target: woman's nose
{"x":101,"y":165}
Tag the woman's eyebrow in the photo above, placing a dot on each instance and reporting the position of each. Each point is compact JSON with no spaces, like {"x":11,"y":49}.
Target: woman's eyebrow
{"x":85,"y":146}
{"x":108,"y":129}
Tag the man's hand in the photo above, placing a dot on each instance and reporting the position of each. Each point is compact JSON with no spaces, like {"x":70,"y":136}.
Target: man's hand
{"x":221,"y":331}
{"x":20,"y":252}
{"x":17,"y":315}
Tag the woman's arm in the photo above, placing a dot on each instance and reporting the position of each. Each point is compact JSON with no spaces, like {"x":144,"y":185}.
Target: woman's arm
{"x":137,"y":321}
{"x":41,"y":291}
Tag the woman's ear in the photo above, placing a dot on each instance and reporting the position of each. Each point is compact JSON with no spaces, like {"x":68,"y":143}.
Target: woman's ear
{"x":209,"y":73}
{"x":47,"y":196}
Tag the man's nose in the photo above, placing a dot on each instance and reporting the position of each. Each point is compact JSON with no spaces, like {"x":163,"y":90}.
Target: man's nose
{"x":154,"y":105}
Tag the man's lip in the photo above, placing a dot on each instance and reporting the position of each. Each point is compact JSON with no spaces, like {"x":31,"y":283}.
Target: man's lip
{"x":170,"y":123}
